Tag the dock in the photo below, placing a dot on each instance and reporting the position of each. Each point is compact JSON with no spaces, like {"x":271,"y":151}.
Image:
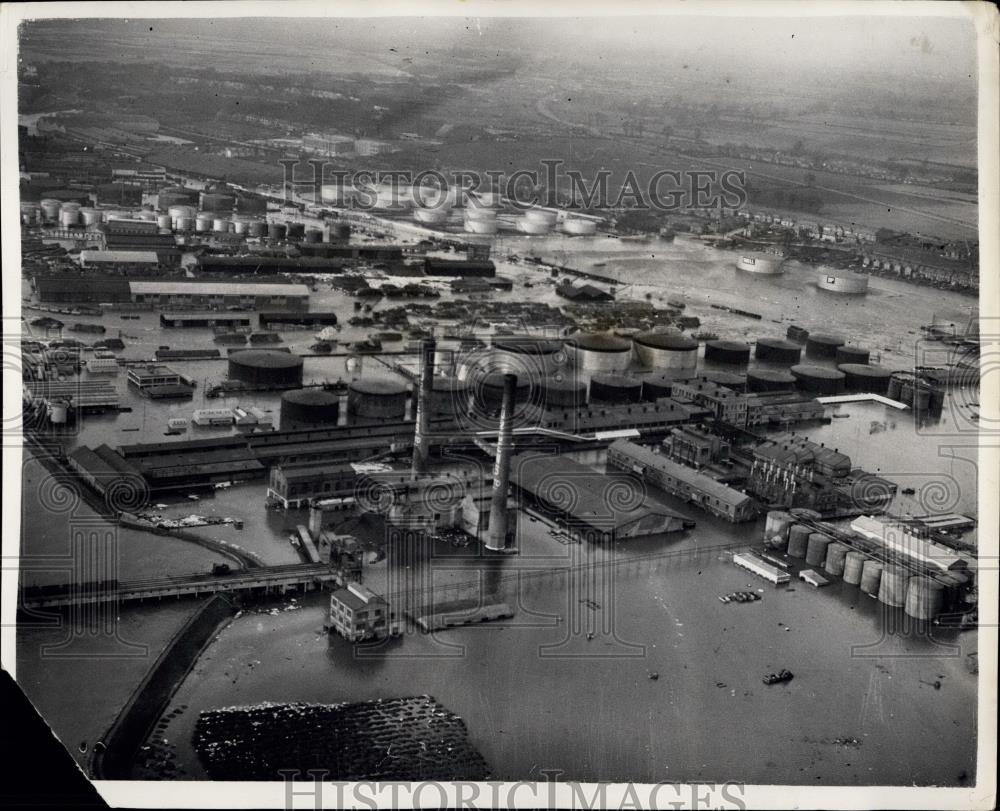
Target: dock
{"x":862,"y":398}
{"x":441,"y":621}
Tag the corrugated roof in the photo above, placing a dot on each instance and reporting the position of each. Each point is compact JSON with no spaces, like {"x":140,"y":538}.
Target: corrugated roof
{"x":149,"y":257}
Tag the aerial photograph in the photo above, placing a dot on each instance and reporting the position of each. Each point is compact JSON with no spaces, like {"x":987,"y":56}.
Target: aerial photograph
{"x":500,"y":398}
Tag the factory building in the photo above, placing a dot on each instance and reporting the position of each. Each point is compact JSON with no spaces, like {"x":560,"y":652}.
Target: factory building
{"x":695,"y":446}
{"x":681,"y":481}
{"x":144,"y":377}
{"x":791,"y":471}
{"x":219,"y":295}
{"x":141,"y":261}
{"x":295,"y":485}
{"x":600,"y":507}
{"x":781,"y":408}
{"x":106,"y":472}
{"x":648,"y":418}
{"x":480,"y":269}
{"x":357,"y":614}
{"x":81,"y":288}
{"x":725,"y":404}
{"x":584,"y":293}
{"x":328,"y":144}
{"x":268,"y":264}
{"x":902,"y":541}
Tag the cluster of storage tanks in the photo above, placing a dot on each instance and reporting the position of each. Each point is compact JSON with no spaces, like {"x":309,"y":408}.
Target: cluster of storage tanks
{"x":921,"y":596}
{"x":483,"y":216}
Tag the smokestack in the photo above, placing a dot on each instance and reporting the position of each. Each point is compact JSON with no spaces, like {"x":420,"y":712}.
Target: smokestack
{"x":421,"y":443}
{"x":497,"y":538}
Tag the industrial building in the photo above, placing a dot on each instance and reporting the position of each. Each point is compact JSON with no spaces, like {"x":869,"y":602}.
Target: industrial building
{"x":141,"y":261}
{"x":647,"y":418}
{"x":681,"y":481}
{"x":81,"y":288}
{"x":189,"y":295}
{"x":465,"y":268}
{"x":144,"y":377}
{"x":294,"y":485}
{"x":695,"y":447}
{"x":584,"y":293}
{"x":904,"y":542}
{"x":357,"y":614}
{"x":781,"y":408}
{"x":267,"y":265}
{"x":725,"y":404}
{"x":791,"y":471}
{"x":598,"y":507}
{"x":106,"y":473}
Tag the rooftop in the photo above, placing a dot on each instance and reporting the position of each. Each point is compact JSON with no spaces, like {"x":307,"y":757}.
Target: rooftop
{"x":170,"y":288}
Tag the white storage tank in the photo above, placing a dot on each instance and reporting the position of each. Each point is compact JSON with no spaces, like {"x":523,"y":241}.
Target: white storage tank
{"x":164,"y":221}
{"x":579,"y":227}
{"x":50,"y":209}
{"x":220,"y":224}
{"x":69,"y":217}
{"x":842,"y":281}
{"x":667,"y":351}
{"x":533,"y":226}
{"x":203,"y":222}
{"x":432,"y":216}
{"x":599,"y":352}
{"x":542,"y":215}
{"x":483,"y":226}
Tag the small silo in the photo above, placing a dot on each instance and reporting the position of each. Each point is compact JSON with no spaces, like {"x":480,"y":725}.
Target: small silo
{"x":866,"y":378}
{"x":370,"y":400}
{"x":313,"y":236}
{"x":818,"y":379}
{"x":266,"y":367}
{"x":667,"y":352}
{"x":823,"y":345}
{"x":306,"y":408}
{"x":599,"y":352}
{"x":657,"y":385}
{"x":221,"y":225}
{"x":50,"y":209}
{"x":276,"y":231}
{"x":895,"y":387}
{"x":924,"y":598}
{"x":203,"y":222}
{"x":852,"y":354}
{"x":892,"y":589}
{"x":296,"y":231}
{"x":568,"y":394}
{"x":164,"y":222}
{"x":340,"y":232}
{"x":241,"y":225}
{"x":732,"y":353}
{"x":836,"y":558}
{"x":615,"y":389}
{"x":777,"y":351}
{"x":777,"y":527}
{"x":798,"y":540}
{"x":69,"y":217}
{"x":871,"y":577}
{"x":816,"y":548}
{"x":257,"y":229}
{"x":853,"y":567}
{"x":766,"y":380}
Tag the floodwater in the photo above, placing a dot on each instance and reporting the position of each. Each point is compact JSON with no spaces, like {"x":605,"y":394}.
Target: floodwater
{"x":534,"y":691}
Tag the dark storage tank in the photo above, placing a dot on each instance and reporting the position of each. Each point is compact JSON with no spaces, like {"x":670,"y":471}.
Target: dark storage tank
{"x":615,"y":389}
{"x":735,"y":353}
{"x":340,"y":232}
{"x":730,"y":380}
{"x":449,"y":396}
{"x":818,"y":380}
{"x":267,"y":367}
{"x":564,"y":393}
{"x":852,"y":354}
{"x":304,"y":408}
{"x":487,"y":393}
{"x":778,"y":350}
{"x":314,"y":235}
{"x":823,"y":345}
{"x":765,"y":380}
{"x":218,"y":202}
{"x":655,"y":386}
{"x":865,"y":378}
{"x":176,"y":196}
{"x":370,"y":400}
{"x":251,"y":204}
{"x":276,"y":230}
{"x":295,"y":230}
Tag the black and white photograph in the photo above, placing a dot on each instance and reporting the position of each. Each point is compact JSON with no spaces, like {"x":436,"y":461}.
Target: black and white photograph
{"x":495,"y":405}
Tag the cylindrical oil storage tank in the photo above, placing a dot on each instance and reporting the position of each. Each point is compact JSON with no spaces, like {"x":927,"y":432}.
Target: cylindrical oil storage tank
{"x":69,"y":217}
{"x":340,"y":232}
{"x":449,"y":396}
{"x":266,"y":367}
{"x":58,"y":411}
{"x":892,"y":589}
{"x":479,"y":226}
{"x":798,"y":540}
{"x":542,"y":215}
{"x":816,"y":549}
{"x":430,"y":216}
{"x":203,"y":222}
{"x":533,"y":227}
{"x":865,"y":377}
{"x":50,"y":209}
{"x":176,"y":196}
{"x":871,"y":577}
{"x":176,"y":212}
{"x":533,"y":359}
{"x":615,"y":389}
{"x":221,"y":225}
{"x":218,"y":202}
{"x":823,"y":345}
{"x":376,"y":400}
{"x":916,"y":393}
{"x":765,"y":380}
{"x":241,"y":225}
{"x":656,"y":386}
{"x":778,"y":351}
{"x":842,"y":281}
{"x":818,"y":380}
{"x":295,"y":231}
{"x":579,"y":227}
{"x":667,"y":352}
{"x":564,"y":393}
{"x":854,"y":564}
{"x":313,"y":236}
{"x":147,"y":215}
{"x":276,"y":230}
{"x":184,"y":224}
{"x":836,"y":558}
{"x":731,"y":380}
{"x":164,"y":221}
{"x":777,"y":527}
{"x":924,"y":598}
{"x":599,"y":352}
{"x":257,"y":229}
{"x":304,"y":408}
{"x":30,"y":213}
{"x":487,"y":393}
{"x":734,"y":353}
{"x":852,"y":354}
